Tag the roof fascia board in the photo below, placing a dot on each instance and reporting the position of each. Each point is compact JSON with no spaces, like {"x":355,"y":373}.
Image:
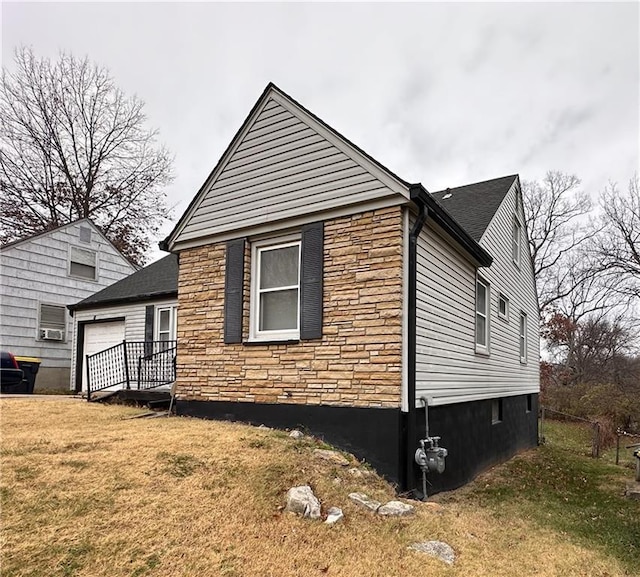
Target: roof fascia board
{"x":123,"y":300}
{"x":274,"y":227}
{"x":449,"y":224}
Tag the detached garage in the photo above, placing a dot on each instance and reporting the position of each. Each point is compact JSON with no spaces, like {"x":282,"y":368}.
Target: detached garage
{"x":140,"y":307}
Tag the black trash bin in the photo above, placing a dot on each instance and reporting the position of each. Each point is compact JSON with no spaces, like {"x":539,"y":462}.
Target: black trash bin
{"x":30,"y":367}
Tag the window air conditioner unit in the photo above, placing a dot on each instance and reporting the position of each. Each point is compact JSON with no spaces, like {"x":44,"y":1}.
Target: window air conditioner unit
{"x":52,"y":334}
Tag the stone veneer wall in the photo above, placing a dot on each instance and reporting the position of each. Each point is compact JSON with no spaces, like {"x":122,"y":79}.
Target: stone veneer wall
{"x":358,"y":361}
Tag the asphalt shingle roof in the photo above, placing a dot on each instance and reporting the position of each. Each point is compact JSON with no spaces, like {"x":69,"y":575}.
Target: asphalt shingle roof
{"x":474,"y":205}
{"x":158,"y":279}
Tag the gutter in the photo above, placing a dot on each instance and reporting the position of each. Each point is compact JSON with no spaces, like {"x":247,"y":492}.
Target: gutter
{"x":410,"y":431}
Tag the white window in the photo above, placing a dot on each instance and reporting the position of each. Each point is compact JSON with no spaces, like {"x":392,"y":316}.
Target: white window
{"x":523,"y":337}
{"x":82,"y":263}
{"x":482,"y":316}
{"x":52,"y":322}
{"x":516,"y":241}
{"x":503,"y":307}
{"x":275,"y":290}
{"x":165,"y":324}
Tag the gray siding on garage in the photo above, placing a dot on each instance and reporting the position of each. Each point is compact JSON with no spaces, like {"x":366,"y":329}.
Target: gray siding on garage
{"x":447,"y":366}
{"x":134,"y":322}
{"x":284,"y":166}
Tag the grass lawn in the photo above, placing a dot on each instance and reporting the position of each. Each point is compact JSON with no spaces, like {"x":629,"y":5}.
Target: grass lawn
{"x":86,"y":491}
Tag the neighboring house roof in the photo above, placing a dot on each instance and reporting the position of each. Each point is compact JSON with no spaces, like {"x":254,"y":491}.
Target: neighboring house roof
{"x":88,"y":221}
{"x":159,"y":279}
{"x":473,"y":205}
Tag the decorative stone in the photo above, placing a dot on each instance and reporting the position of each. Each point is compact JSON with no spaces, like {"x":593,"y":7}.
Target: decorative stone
{"x":396,"y":509}
{"x":332,"y":456}
{"x":438,"y":549}
{"x":295,"y":434}
{"x":334,"y":514}
{"x":364,"y":501}
{"x":302,"y":501}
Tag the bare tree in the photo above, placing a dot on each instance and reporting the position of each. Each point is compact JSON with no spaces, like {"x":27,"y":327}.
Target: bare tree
{"x":556,"y":211}
{"x":73,"y":146}
{"x":619,"y":248}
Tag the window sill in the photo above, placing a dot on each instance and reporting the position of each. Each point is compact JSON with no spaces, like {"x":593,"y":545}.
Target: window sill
{"x":483,"y":353}
{"x":258,"y":342}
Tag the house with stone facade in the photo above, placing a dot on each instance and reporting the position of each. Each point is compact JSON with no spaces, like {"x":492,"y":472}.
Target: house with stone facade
{"x":318,"y":289}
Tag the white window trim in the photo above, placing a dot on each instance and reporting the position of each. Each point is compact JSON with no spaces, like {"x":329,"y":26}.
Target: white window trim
{"x":172,"y":322}
{"x":256,"y":335}
{"x":97,"y":260}
{"x":518,"y":224}
{"x":482,"y":349}
{"x":504,"y":317}
{"x":523,"y":339}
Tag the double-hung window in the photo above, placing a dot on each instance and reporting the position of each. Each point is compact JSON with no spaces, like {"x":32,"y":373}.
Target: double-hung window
{"x":83,"y":263}
{"x":165,"y":324}
{"x":523,"y":337}
{"x":482,"y":316}
{"x":275,"y":291}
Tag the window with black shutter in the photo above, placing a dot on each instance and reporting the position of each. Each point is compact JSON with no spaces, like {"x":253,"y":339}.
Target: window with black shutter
{"x":286,"y":287}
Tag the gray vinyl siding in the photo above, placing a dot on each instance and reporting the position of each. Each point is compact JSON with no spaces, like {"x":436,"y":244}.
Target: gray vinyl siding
{"x":134,"y":322}
{"x":281,"y":168}
{"x":36,"y":271}
{"x":448,"y":370}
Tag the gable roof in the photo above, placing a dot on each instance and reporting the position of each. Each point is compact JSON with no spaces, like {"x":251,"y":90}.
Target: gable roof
{"x":88,"y":221}
{"x":159,"y":279}
{"x":473,"y":205}
{"x":273,"y":97}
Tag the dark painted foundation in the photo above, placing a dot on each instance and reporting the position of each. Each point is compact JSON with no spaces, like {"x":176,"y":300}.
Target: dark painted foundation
{"x":371,"y":434}
{"x":377,"y":436}
{"x":473,"y":441}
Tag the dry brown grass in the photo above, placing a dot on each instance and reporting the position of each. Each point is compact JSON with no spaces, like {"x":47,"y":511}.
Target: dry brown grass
{"x":86,"y":492}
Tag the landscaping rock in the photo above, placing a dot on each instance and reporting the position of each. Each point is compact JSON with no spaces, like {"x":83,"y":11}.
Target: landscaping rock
{"x":438,"y":549}
{"x":396,"y":509}
{"x":356,"y":473}
{"x":364,"y":501}
{"x":302,"y":501}
{"x":332,"y":456}
{"x":334,"y":514}
{"x":295,"y":434}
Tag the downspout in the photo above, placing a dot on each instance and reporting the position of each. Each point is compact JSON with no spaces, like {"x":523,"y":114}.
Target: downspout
{"x":411,"y":435}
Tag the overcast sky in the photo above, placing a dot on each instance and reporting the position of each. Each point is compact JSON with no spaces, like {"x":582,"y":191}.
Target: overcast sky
{"x":440,"y":93}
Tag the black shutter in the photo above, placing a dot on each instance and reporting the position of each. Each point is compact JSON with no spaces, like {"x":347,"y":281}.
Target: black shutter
{"x":233,"y":291}
{"x":149,"y":313}
{"x":311,"y":281}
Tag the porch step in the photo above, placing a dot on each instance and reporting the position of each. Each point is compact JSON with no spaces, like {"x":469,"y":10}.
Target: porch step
{"x":150,"y":398}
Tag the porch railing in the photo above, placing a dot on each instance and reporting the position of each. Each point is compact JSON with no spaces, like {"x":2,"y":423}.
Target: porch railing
{"x":132,"y":364}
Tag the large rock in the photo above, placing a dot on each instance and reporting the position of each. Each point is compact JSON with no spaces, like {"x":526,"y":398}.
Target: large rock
{"x":396,"y":509}
{"x":295,"y":434}
{"x":302,"y":501}
{"x":332,"y":456}
{"x":438,"y":549}
{"x":364,"y":501}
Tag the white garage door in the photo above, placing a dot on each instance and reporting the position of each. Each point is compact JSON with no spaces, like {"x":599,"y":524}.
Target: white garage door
{"x":98,"y":337}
